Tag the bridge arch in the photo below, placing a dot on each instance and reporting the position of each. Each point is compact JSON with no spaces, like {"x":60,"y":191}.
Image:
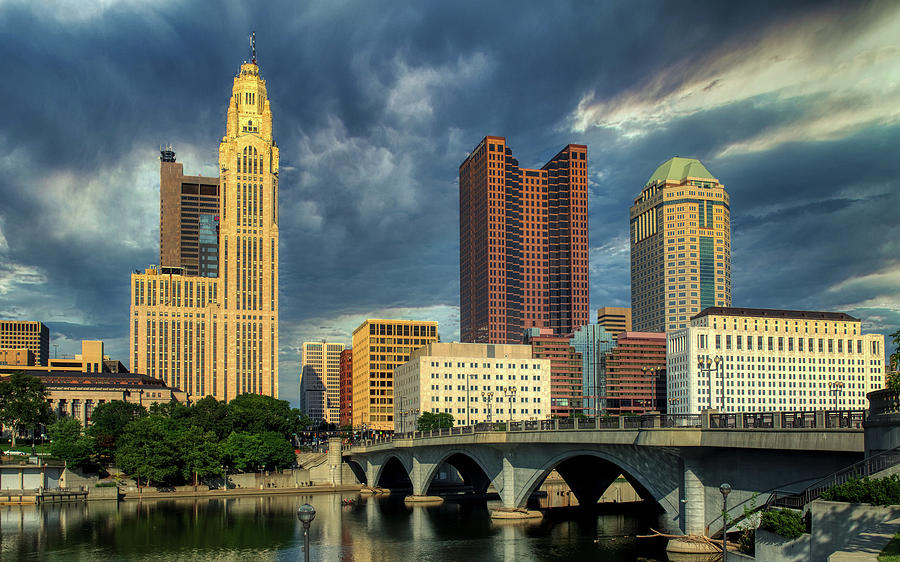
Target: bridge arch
{"x":472,"y":469}
{"x":588,"y":472}
{"x":392,"y":474}
{"x":358,"y":470}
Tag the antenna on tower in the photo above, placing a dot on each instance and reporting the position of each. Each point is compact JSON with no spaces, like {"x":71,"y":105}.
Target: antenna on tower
{"x":253,"y":47}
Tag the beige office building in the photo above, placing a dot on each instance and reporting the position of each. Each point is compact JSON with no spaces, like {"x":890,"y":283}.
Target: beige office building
{"x":473,"y":382}
{"x":218,"y":336}
{"x":615,"y":319}
{"x":320,"y":381}
{"x":380,"y":346}
{"x":680,"y":246}
{"x":789,"y":360}
{"x":26,"y":334}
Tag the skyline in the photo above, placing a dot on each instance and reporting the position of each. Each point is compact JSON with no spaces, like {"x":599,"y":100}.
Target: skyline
{"x":793,"y":108}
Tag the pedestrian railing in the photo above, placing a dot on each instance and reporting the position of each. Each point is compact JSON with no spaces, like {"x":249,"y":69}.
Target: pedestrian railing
{"x":843,"y":420}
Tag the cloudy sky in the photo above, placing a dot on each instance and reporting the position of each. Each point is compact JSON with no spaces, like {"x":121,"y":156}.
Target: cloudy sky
{"x":794,"y":106}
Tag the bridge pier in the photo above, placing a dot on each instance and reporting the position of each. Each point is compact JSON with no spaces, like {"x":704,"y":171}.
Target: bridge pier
{"x":694,"y":499}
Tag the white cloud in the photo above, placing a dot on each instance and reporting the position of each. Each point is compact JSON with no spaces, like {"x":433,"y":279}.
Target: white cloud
{"x":843,"y":77}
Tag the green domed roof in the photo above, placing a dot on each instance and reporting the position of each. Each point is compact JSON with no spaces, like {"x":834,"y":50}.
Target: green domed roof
{"x":677,"y":169}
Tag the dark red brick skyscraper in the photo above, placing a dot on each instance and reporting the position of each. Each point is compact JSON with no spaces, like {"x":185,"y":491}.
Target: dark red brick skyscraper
{"x":523,"y":244}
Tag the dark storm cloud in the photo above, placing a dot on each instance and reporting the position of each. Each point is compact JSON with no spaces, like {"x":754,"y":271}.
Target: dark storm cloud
{"x":375,"y":106}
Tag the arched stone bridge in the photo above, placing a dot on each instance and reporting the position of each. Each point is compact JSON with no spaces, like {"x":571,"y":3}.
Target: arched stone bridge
{"x":678,"y":468}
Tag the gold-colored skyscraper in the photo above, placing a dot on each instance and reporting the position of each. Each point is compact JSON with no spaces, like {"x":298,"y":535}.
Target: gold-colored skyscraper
{"x":380,"y":346}
{"x":680,"y":246}
{"x":219,"y":335}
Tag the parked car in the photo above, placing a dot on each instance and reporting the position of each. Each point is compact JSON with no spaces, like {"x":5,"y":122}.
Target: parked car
{"x":15,"y":453}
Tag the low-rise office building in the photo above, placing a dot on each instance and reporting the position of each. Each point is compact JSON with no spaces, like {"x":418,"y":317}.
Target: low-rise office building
{"x":758,"y":360}
{"x":473,"y":382}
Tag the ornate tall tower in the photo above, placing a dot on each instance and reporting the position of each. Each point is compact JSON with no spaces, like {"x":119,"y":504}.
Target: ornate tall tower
{"x":248,"y":235}
{"x":218,"y":335}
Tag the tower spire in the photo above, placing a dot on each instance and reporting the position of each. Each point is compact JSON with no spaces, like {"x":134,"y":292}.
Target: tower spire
{"x":253,"y":46}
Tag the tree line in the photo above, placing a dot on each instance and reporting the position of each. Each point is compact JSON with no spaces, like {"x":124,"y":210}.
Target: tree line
{"x":168,"y":443}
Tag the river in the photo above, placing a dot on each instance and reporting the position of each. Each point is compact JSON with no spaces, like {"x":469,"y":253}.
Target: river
{"x":377,"y":528}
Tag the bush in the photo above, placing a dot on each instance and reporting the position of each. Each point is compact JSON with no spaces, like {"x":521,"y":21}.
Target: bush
{"x":784,"y":522}
{"x":105,"y":485}
{"x":880,"y":491}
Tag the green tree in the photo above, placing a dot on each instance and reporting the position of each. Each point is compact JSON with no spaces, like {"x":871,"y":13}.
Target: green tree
{"x":67,"y":442}
{"x":895,"y":356}
{"x":23,"y":403}
{"x":151,"y":447}
{"x":108,"y":423}
{"x":211,"y":415}
{"x":252,"y":451}
{"x":202,"y":453}
{"x":254,"y":413}
{"x":429,"y":420}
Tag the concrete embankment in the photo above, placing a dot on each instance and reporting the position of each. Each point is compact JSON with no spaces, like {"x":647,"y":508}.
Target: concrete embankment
{"x":152,"y":494}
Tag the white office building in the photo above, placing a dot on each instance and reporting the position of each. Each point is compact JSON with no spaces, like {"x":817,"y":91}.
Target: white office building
{"x":473,"y":382}
{"x":786,"y":360}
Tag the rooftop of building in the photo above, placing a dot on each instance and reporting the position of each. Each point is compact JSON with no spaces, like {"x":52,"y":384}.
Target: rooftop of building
{"x":775,"y":313}
{"x":677,"y":169}
{"x":474,"y":350}
{"x":69,"y":379}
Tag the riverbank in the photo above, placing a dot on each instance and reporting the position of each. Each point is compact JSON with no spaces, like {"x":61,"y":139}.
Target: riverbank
{"x":152,"y":494}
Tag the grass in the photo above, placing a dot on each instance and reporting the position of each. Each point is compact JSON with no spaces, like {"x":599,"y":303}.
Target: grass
{"x":891,"y":552}
{"x":26,"y":447}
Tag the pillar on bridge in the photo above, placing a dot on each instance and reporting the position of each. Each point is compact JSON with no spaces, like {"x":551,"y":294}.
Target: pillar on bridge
{"x":694,"y":499}
{"x":335,"y":465}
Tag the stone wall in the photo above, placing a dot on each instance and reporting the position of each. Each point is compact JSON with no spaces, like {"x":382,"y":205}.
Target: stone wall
{"x":775,"y":548}
{"x":835,"y":524}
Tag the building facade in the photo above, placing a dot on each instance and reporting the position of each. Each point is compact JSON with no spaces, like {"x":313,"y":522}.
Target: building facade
{"x":615,"y":319}
{"x":218,"y":336}
{"x":380,"y":346}
{"x":592,"y":341}
{"x":772,"y":360}
{"x":320,"y":380}
{"x":636,"y":374}
{"x":346,"y":394}
{"x":523,"y":243}
{"x":473,"y":383}
{"x":188,"y":219}
{"x":566,"y":381}
{"x":26,"y":334}
{"x":680,"y":246}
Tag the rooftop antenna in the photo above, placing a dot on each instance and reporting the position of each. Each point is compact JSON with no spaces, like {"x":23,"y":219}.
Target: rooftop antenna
{"x":253,"y":47}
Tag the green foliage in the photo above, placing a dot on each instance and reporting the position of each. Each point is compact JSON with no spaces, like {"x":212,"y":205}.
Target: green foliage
{"x":150,"y":448}
{"x":878,"y":491}
{"x":892,"y":381}
{"x":895,"y":357}
{"x":210,"y":414}
{"x":250,"y":451}
{"x":68,"y":443}
{"x":202,"y":453}
{"x":23,"y":403}
{"x":785,"y":522}
{"x":105,"y":485}
{"x":429,"y":420}
{"x":254,"y":413}
{"x":108,"y":422}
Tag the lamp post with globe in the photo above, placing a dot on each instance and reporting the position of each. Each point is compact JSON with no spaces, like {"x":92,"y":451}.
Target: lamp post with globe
{"x":306,"y":513}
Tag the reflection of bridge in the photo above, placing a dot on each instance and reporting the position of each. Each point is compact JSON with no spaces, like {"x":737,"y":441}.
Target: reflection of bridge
{"x":675,"y":461}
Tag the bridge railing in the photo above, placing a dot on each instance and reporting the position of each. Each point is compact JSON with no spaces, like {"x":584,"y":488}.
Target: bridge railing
{"x":819,"y":419}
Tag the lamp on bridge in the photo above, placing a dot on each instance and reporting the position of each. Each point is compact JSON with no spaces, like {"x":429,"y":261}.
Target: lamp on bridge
{"x":725,"y":489}
{"x":836,"y":387}
{"x":306,"y":513}
{"x":510,"y":393}
{"x":487,"y":396}
{"x":673,"y":403}
{"x":653,"y":369}
{"x":706,"y":366}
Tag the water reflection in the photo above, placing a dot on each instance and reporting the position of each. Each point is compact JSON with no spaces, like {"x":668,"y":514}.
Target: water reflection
{"x":266,"y":528}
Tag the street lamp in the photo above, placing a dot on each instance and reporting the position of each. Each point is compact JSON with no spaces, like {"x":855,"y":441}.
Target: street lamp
{"x":510,"y":393}
{"x":652,"y":370}
{"x":306,"y":513}
{"x":674,"y":403}
{"x":708,"y":367}
{"x":725,"y":489}
{"x":487,"y":397}
{"x":836,"y":387}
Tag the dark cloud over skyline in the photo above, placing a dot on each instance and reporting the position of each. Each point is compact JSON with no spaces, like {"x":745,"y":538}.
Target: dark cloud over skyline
{"x":795,"y":107}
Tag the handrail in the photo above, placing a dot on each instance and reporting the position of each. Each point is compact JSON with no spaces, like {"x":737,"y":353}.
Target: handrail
{"x":866,"y":467}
